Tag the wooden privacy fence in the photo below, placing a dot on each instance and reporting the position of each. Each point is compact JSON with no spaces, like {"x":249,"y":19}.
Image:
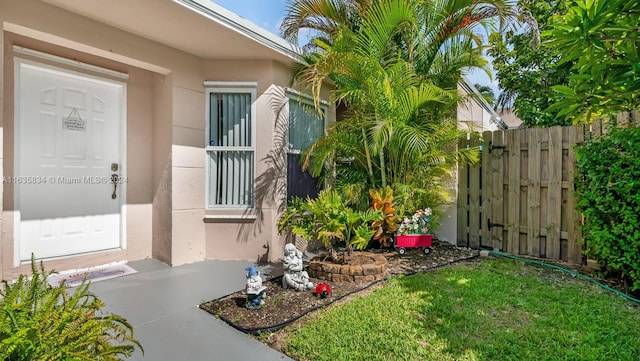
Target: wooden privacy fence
{"x":520,"y":199}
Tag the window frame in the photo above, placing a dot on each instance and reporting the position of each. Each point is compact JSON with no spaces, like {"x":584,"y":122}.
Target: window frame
{"x":218,"y":87}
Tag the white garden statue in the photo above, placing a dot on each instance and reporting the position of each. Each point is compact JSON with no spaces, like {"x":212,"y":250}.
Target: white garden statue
{"x":294,"y":274}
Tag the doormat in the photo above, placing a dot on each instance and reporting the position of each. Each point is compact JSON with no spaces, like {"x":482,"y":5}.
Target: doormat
{"x":73,"y":279}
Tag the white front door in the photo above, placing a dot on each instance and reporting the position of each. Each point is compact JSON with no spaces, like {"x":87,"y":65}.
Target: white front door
{"x":68,"y":146}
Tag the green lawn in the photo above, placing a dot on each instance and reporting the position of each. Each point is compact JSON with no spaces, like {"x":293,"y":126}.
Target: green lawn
{"x":489,"y":310}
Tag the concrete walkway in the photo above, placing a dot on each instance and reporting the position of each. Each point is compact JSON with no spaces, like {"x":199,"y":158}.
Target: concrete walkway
{"x":161,"y":303}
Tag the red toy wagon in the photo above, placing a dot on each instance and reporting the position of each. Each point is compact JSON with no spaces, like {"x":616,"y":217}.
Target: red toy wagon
{"x":413,"y":241}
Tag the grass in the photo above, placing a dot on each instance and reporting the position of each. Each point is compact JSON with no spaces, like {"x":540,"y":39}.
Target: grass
{"x":490,"y":310}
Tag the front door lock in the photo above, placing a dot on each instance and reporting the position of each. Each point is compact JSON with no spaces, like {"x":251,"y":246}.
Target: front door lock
{"x":114,"y":180}
{"x":114,"y":167}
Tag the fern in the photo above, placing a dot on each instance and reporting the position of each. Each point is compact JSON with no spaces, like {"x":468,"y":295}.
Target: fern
{"x":43,"y":322}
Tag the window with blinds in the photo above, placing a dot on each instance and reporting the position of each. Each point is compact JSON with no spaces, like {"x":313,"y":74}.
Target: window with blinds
{"x":306,"y":126}
{"x":231,"y":148}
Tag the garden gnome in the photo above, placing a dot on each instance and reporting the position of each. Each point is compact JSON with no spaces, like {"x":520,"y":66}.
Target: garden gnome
{"x":254,"y":289}
{"x":294,"y":274}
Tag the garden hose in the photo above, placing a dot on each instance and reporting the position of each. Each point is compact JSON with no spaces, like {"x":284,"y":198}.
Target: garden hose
{"x":573,"y":273}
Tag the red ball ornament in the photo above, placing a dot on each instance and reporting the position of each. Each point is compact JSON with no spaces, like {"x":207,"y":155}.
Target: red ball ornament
{"x":323,"y":290}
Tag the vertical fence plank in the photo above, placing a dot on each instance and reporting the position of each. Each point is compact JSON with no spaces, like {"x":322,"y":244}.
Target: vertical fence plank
{"x":474,"y":200}
{"x":463,"y":187}
{"x":533,"y":193}
{"x":554,"y":193}
{"x":513,"y":207}
{"x":574,"y":251}
{"x":497,"y":189}
{"x":487,"y":199}
{"x":596,"y":129}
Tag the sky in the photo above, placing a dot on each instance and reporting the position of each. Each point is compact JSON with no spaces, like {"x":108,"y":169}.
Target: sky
{"x":269,"y":13}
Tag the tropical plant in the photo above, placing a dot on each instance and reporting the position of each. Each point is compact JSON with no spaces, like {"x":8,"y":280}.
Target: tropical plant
{"x":608,"y":195}
{"x":487,"y":94}
{"x":43,"y":322}
{"x":395,"y":65}
{"x":328,"y":219}
{"x":601,"y":39}
{"x":441,"y":38}
{"x":322,"y":18}
{"x":385,"y":228}
{"x":526,"y":69}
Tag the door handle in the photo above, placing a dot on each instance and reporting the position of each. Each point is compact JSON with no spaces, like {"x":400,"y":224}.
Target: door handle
{"x":114,"y":180}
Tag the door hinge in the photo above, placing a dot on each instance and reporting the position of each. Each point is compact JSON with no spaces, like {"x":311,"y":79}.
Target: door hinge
{"x":492,"y":147}
{"x":491,"y":225}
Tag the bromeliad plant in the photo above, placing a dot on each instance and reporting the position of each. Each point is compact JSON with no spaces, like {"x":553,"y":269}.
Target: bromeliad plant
{"x":43,"y":322}
{"x":328,"y":219}
{"x":419,"y":223}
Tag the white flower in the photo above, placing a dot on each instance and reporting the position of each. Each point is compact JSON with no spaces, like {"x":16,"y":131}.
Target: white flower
{"x":420,"y":222}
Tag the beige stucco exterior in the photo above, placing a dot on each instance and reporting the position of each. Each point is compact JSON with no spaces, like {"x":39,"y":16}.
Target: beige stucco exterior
{"x":168,"y":49}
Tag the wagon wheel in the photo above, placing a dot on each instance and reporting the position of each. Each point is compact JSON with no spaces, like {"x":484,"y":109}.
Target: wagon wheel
{"x":402,"y":251}
{"x":427,"y":250}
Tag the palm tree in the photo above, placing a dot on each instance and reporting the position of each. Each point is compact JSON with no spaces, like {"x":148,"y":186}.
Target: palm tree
{"x":399,"y":122}
{"x":323,"y":18}
{"x":395,"y":64}
{"x":442,"y":38}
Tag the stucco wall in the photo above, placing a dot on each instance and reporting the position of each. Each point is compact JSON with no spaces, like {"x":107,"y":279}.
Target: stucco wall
{"x":3,"y":116}
{"x":250,"y":235}
{"x":44,"y":28}
{"x":139,"y":166}
{"x":188,"y":176}
{"x":161,"y":185}
{"x":166,"y":216}
{"x":228,"y":234}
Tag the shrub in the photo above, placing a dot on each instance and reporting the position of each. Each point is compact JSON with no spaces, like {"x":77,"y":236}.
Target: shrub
{"x":43,"y":322}
{"x":328,"y":219}
{"x":608,"y":190}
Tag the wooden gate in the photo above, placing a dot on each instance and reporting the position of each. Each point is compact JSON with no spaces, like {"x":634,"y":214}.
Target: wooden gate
{"x":519,"y":199}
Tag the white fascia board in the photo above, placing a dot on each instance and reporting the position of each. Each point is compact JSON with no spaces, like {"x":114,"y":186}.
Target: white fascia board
{"x":243,"y":26}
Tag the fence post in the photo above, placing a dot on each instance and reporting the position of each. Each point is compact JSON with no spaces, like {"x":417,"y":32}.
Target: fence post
{"x":498,"y":156}
{"x":574,"y":250}
{"x":554,"y":193}
{"x":533,"y":193}
{"x":513,"y":207}
{"x":487,"y":182}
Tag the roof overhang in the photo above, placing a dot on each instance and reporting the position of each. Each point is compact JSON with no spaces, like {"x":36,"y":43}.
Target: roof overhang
{"x":473,"y":92}
{"x":198,"y":27}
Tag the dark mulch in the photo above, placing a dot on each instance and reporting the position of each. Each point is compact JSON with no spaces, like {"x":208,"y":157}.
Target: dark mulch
{"x":286,"y":305}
